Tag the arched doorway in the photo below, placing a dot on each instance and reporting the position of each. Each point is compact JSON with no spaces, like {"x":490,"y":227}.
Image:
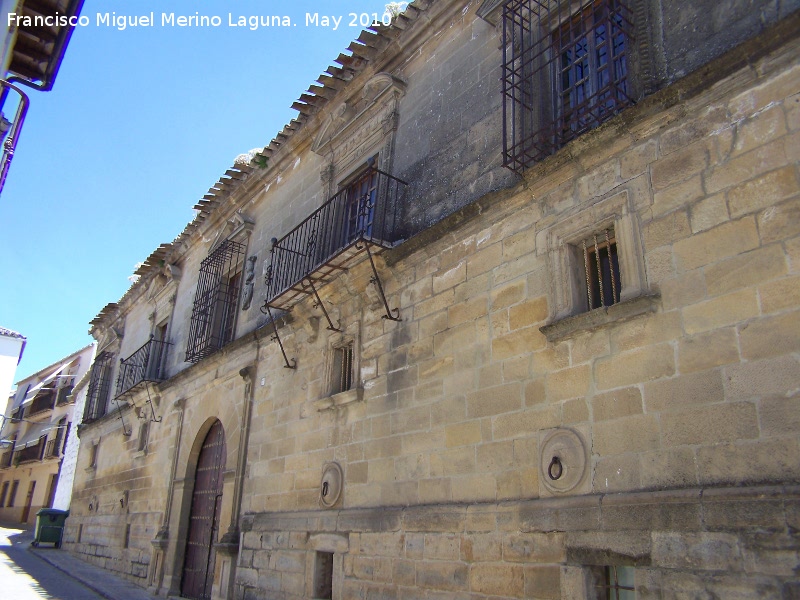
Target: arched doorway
{"x":198,"y":562}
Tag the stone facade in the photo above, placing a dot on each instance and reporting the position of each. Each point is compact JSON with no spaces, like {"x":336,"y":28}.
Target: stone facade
{"x":498,"y":440}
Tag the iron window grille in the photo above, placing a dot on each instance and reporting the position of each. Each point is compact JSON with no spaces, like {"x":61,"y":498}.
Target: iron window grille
{"x":324,"y":244}
{"x":99,"y":387}
{"x":342,"y":379}
{"x":617,"y":584}
{"x":565,"y":71}
{"x":601,"y":269}
{"x":214,"y":312}
{"x":146,"y":364}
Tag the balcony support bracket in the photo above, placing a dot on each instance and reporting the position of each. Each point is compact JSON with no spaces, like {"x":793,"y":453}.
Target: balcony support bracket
{"x":308,"y":282}
{"x":277,"y":337}
{"x":153,"y":417}
{"x":391,"y":314}
{"x":125,"y":431}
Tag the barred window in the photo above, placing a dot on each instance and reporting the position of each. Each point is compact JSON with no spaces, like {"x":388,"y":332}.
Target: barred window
{"x":342,"y":372}
{"x":617,"y":583}
{"x":565,"y":71}
{"x":601,"y":269}
{"x":360,"y":206}
{"x":144,"y":431}
{"x":94,"y":454}
{"x":99,"y":387}
{"x":213,"y":320}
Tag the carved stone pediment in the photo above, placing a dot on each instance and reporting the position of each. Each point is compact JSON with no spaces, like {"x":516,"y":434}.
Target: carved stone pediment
{"x":358,"y":125}
{"x":238,"y":227}
{"x":491,"y":11}
{"x":110,"y":340}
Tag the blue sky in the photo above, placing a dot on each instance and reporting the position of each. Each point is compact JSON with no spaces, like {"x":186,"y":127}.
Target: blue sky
{"x":140,"y":124}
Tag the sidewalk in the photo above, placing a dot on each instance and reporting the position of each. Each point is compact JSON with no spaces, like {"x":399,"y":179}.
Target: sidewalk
{"x":96,"y":579}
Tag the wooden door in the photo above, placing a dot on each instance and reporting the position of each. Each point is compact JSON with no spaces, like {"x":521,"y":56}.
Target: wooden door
{"x":28,"y":501}
{"x":198,"y":562}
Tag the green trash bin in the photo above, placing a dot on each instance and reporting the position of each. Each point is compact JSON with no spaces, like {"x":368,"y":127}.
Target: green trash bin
{"x":49,"y":526}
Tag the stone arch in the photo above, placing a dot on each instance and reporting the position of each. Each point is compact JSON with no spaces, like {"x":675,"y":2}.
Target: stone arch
{"x":205,"y":469}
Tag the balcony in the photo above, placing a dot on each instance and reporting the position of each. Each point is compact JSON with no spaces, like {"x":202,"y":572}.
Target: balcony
{"x":5,"y":459}
{"x":146,"y":364}
{"x":64,"y":396}
{"x":44,"y":400}
{"x":31,"y":453}
{"x":360,"y":217}
{"x":51,"y":449}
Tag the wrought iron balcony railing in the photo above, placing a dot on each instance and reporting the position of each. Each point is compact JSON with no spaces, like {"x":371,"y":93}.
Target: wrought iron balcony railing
{"x":146,"y":364}
{"x":51,"y":449}
{"x":30,"y":453}
{"x":328,"y":241}
{"x":44,"y":400}
{"x":5,"y":459}
{"x":64,"y":395}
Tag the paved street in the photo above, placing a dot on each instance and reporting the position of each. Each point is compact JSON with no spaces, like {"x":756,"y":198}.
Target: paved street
{"x":25,"y":576}
{"x":46,"y":573}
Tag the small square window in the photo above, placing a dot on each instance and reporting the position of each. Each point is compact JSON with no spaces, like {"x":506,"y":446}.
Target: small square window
{"x":342,"y":371}
{"x":614,"y":582}
{"x":144,"y":430}
{"x":596,"y":261}
{"x":95,"y":450}
{"x":601,"y":269}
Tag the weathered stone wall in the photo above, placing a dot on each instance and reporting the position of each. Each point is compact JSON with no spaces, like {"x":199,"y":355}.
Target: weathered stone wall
{"x":678,"y":394}
{"x":693,"y":33}
{"x":109,"y":503}
{"x":687,"y":388}
{"x":450,"y":137}
{"x":733,"y":542}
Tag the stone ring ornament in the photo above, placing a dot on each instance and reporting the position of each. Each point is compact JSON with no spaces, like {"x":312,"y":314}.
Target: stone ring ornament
{"x":331,"y":484}
{"x":563,"y":460}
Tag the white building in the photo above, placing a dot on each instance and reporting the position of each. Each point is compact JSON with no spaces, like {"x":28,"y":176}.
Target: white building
{"x":12,"y":345}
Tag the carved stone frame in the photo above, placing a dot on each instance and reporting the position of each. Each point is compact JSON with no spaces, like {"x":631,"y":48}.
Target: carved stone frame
{"x":566,"y":264}
{"x":360,"y":128}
